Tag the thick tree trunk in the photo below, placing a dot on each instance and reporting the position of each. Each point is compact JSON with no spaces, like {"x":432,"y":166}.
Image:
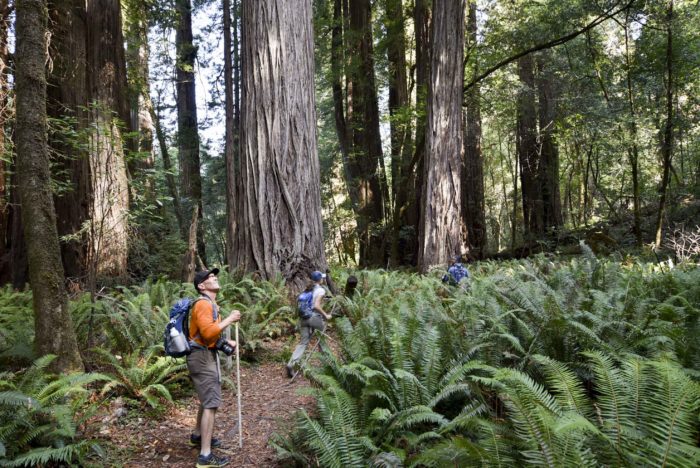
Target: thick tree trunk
{"x":280,"y":230}
{"x":473,"y":210}
{"x":549,"y":153}
{"x":440,"y":234}
{"x":527,"y":149}
{"x":107,"y":89}
{"x":67,"y":100}
{"x":187,"y":131}
{"x":365,"y":158}
{"x":52,"y":321}
{"x":231,"y":147}
{"x":667,"y":142}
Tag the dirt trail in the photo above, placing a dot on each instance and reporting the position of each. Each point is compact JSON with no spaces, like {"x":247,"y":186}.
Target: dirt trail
{"x":269,"y":401}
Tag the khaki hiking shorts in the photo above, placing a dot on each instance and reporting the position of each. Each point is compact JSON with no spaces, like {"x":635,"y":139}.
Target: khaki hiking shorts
{"x":205,"y":376}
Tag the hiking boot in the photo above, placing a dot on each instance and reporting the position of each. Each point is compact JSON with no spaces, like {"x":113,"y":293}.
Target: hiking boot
{"x":211,"y":461}
{"x":290,"y":371}
{"x":196,"y":441}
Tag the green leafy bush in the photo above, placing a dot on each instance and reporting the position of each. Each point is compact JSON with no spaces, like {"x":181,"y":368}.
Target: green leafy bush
{"x":16,"y":328}
{"x":585,"y":362}
{"x":38,"y":422}
{"x":144,"y":376}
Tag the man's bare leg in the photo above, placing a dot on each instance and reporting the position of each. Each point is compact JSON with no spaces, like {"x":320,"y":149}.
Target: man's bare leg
{"x":207,"y":427}
{"x":198,"y":427}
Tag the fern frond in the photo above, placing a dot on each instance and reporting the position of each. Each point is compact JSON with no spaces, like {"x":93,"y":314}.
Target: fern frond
{"x":569,"y":392}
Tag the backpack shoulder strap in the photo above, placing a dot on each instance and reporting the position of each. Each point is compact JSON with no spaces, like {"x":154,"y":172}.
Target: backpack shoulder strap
{"x":214,"y":309}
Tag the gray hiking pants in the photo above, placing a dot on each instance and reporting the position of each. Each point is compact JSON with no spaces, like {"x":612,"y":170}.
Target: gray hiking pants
{"x":307,"y":327}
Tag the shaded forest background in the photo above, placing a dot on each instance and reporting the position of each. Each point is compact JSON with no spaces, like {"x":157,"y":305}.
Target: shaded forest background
{"x":575,"y":117}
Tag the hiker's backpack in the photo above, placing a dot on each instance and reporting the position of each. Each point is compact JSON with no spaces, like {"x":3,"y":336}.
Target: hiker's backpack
{"x":305,"y":304}
{"x":457,"y":273}
{"x":176,"y":340}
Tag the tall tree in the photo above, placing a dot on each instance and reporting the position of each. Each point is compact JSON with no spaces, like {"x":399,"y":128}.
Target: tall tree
{"x":187,"y":131}
{"x":473,"y":210}
{"x":54,"y":332}
{"x":667,"y":139}
{"x":548,"y":151}
{"x":400,"y":124}
{"x":67,"y":100}
{"x":633,"y":146}
{"x":140,"y":105}
{"x":440,"y":234}
{"x":414,"y":168}
{"x":109,"y":109}
{"x":280,"y":229}
{"x":527,"y":151}
{"x":364,"y":159}
{"x":231,"y":140}
{"x":4,"y":113}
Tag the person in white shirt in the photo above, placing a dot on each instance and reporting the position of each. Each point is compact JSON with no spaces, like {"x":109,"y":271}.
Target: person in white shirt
{"x":315,"y":321}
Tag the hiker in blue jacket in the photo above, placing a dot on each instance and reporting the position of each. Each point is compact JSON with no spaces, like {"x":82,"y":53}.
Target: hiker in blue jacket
{"x":456,"y":273}
{"x":311,"y":320}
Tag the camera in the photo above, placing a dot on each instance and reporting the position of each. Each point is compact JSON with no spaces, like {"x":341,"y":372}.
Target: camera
{"x":223,"y":346}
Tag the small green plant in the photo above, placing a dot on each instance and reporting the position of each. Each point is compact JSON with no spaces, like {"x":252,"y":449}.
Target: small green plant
{"x":39,"y":415}
{"x":16,"y":331}
{"x":142,"y":376}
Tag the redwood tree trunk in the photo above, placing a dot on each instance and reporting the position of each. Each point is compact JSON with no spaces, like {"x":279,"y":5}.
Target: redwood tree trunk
{"x":548,"y":150}
{"x":230,"y":149}
{"x":67,"y":100}
{"x":414,"y":168}
{"x":280,"y":230}
{"x":4,"y":113}
{"x":440,"y":231}
{"x":401,"y":148}
{"x":526,"y":145}
{"x":54,"y":332}
{"x":107,"y":89}
{"x":187,"y":132}
{"x":366,"y":148}
{"x":473,"y":211}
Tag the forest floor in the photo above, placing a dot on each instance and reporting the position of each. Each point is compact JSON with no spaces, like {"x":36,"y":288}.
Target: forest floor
{"x":269,"y":402}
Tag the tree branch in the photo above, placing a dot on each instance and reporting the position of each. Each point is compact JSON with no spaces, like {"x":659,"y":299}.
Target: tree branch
{"x":548,"y":45}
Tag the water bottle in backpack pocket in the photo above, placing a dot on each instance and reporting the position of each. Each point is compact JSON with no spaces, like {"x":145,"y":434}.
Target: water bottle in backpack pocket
{"x":175,"y":338}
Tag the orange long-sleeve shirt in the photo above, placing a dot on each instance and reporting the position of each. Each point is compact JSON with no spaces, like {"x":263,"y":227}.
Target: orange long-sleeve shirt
{"x":204,"y":330}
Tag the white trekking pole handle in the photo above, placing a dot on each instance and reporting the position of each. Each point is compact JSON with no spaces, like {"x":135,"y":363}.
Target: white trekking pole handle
{"x":238,"y":390}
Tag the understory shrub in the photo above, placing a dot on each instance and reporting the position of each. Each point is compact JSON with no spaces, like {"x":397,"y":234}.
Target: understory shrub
{"x":554,"y":363}
{"x":40,"y":413}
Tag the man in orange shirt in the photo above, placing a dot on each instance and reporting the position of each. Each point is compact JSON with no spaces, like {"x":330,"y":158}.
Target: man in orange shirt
{"x":206,"y":326}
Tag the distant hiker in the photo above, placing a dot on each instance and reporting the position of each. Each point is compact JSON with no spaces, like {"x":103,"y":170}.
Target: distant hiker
{"x":456,"y":273}
{"x":311,"y":316}
{"x":350,"y":286}
{"x":206,"y":326}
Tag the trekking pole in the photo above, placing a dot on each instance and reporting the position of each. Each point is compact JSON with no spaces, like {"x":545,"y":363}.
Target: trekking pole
{"x":238,"y":390}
